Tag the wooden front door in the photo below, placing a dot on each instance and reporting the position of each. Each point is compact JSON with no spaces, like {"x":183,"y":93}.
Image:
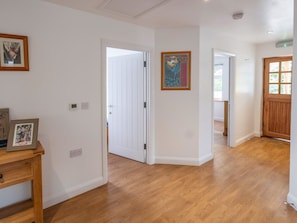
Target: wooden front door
{"x":277,"y":97}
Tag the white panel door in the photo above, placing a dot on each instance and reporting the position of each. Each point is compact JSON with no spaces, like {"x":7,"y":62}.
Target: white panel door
{"x":126,"y":112}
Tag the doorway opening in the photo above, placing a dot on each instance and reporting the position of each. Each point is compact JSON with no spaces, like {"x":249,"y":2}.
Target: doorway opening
{"x":223,"y":69}
{"x":126,"y":103}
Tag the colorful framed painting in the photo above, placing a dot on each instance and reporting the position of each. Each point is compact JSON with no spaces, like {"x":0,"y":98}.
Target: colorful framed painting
{"x":22,"y":134}
{"x":14,"y":53}
{"x":176,"y":70}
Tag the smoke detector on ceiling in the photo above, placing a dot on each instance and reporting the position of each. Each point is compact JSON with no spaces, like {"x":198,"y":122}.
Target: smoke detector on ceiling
{"x":237,"y":15}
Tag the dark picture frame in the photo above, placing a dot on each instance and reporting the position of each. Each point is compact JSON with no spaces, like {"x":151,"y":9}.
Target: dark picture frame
{"x":4,"y":126}
{"x":176,"y":70}
{"x":14,"y":55}
{"x":23,"y":134}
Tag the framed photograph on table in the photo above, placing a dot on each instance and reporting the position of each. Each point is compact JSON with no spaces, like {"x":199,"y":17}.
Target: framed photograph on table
{"x":22,"y":134}
{"x":14,"y":53}
{"x":176,"y":70}
{"x":4,"y":126}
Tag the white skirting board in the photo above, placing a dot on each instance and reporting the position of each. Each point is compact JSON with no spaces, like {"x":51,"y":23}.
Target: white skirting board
{"x":292,"y":201}
{"x":244,"y":139}
{"x":72,"y":192}
{"x":183,"y":160}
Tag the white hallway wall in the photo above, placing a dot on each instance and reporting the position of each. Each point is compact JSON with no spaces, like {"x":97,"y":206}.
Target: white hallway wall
{"x":176,"y":125}
{"x":184,"y":118}
{"x":65,"y":56}
{"x":241,"y":86}
{"x":65,"y":49}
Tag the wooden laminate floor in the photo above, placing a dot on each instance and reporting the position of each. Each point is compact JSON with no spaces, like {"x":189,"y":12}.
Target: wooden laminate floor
{"x":219,"y":138}
{"x":244,"y":184}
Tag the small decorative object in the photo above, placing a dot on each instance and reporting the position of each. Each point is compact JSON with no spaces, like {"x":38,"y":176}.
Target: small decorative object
{"x":176,"y":70}
{"x":4,"y":126}
{"x":22,"y":134}
{"x":14,"y":53}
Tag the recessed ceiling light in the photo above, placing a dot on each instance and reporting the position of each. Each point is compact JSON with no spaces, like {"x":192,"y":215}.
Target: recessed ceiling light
{"x":270,"y":32}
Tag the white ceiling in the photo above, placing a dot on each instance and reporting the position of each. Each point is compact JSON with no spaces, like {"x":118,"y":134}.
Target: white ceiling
{"x":260,"y":16}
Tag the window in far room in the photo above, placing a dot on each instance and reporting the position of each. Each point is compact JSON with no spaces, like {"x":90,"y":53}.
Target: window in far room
{"x":218,"y":82}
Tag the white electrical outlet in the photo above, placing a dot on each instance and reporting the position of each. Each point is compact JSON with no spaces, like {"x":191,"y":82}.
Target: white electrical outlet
{"x":75,"y":152}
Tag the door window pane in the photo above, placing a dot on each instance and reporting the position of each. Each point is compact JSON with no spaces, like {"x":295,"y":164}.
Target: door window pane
{"x":273,"y":88}
{"x":286,"y":77}
{"x":273,"y":78}
{"x":274,"y":67}
{"x":286,"y":65}
{"x":285,"y":89}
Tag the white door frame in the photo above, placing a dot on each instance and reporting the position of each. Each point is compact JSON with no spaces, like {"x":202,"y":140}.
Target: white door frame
{"x":115,"y":44}
{"x":230,"y":133}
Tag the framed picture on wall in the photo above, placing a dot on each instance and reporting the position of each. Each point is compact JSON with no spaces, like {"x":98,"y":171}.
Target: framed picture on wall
{"x":14,"y":53}
{"x":176,"y":70}
{"x":22,"y":134}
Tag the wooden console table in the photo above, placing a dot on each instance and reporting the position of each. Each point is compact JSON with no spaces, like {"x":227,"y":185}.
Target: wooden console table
{"x":18,"y":167}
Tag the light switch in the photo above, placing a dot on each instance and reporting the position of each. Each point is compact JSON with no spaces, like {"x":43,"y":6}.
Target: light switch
{"x":85,"y":105}
{"x":73,"y":107}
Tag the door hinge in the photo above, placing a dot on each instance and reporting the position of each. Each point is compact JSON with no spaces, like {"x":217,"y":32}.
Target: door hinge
{"x":144,"y":64}
{"x":144,"y":104}
{"x":144,"y":146}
